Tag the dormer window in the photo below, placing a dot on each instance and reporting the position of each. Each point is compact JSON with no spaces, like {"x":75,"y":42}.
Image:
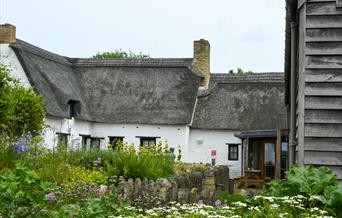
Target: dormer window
{"x":72,"y":108}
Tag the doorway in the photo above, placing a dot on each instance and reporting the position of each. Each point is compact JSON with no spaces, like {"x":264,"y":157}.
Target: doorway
{"x":262,"y":156}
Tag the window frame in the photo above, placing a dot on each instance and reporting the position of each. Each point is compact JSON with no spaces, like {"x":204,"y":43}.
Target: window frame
{"x":149,"y":139}
{"x":230,"y":147}
{"x":115,"y":139}
{"x":59,"y":137}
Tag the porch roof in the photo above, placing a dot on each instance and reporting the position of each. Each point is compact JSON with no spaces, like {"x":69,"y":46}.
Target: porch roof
{"x":258,"y":134}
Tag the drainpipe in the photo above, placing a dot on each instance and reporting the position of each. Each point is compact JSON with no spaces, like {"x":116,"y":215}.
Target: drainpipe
{"x":292,"y":138}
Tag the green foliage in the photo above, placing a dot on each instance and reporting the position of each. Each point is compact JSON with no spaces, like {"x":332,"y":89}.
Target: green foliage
{"x":21,"y":109}
{"x":20,"y":189}
{"x":240,"y":71}
{"x":120,"y":54}
{"x":309,"y":181}
{"x":306,"y":180}
{"x":190,"y":167}
{"x":152,"y":163}
{"x":333,"y":198}
{"x":91,"y":158}
{"x":229,"y":198}
{"x":81,"y":175}
{"x":179,"y":156}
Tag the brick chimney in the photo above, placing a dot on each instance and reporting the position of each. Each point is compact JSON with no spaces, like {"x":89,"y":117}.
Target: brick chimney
{"x":7,"y":33}
{"x":201,"y":60}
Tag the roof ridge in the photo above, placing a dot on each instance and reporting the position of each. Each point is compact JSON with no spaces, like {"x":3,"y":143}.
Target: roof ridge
{"x":247,"y":78}
{"x":133,"y":62}
{"x":20,"y":44}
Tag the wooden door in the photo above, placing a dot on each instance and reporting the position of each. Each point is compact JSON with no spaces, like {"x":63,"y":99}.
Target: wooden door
{"x":267,"y":157}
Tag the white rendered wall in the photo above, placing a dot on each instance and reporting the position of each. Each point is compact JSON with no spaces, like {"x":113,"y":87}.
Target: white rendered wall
{"x":68,"y":126}
{"x":8,"y":57}
{"x":174,"y":135}
{"x":214,"y":139}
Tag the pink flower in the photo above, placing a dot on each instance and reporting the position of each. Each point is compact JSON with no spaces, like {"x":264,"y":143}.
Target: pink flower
{"x":102,"y":189}
{"x":50,"y":197}
{"x":218,"y":203}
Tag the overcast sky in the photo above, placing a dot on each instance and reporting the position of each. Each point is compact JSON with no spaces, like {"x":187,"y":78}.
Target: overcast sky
{"x":242,"y":33}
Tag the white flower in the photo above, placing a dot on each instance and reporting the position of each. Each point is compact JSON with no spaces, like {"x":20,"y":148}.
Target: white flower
{"x":240,"y":204}
{"x":275,"y":205}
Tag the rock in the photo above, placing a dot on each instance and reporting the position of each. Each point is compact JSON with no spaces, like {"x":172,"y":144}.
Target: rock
{"x":194,"y":195}
{"x":183,"y":195}
{"x":164,"y":191}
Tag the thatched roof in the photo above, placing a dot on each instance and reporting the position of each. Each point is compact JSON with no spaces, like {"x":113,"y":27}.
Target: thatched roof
{"x":139,"y":91}
{"x":242,"y":102}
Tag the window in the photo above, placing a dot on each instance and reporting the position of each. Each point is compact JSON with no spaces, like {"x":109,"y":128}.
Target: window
{"x":90,"y":142}
{"x":95,"y":142}
{"x":147,"y":141}
{"x":233,"y":151}
{"x":72,"y":108}
{"x":85,"y":141}
{"x":115,"y":140}
{"x":62,"y":140}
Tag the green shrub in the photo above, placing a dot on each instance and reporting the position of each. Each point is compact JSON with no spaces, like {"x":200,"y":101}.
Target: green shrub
{"x":229,"y":198}
{"x":20,"y":189}
{"x":21,"y":109}
{"x":83,"y":176}
{"x":91,"y":158}
{"x":189,"y":167}
{"x":309,"y":182}
{"x":151,"y":163}
{"x":306,"y":180}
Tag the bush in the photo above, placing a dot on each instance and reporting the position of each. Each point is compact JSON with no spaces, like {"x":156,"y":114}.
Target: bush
{"x":21,"y":109}
{"x":190,"y":167}
{"x":309,"y":181}
{"x":151,"y":163}
{"x":306,"y":181}
{"x":20,"y":189}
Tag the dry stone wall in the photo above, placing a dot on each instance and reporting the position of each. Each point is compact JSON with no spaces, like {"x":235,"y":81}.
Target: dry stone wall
{"x":185,"y":188}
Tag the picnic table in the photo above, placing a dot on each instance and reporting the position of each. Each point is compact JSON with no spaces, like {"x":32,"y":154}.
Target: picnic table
{"x":251,"y":176}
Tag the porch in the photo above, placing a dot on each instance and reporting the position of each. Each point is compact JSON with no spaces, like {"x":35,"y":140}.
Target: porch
{"x":265,"y":155}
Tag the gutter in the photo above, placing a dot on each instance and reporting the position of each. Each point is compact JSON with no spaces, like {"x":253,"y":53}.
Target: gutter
{"x":292,"y":135}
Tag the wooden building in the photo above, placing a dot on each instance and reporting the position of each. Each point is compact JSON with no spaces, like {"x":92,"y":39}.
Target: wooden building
{"x":313,"y":81}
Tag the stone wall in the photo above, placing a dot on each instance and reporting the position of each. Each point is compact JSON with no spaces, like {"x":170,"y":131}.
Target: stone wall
{"x":184,"y":188}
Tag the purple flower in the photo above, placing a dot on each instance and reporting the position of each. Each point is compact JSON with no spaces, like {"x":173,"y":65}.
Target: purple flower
{"x":50,"y":197}
{"x":218,"y":203}
{"x":102,"y":189}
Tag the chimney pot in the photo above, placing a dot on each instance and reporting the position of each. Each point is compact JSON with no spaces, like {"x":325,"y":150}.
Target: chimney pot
{"x":7,"y":33}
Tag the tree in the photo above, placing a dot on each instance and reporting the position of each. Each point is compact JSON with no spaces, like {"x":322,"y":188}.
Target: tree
{"x":21,"y":109}
{"x":239,"y":71}
{"x":120,"y":54}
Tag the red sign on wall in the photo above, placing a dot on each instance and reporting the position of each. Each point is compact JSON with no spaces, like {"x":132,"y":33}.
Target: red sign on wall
{"x":213,"y":153}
